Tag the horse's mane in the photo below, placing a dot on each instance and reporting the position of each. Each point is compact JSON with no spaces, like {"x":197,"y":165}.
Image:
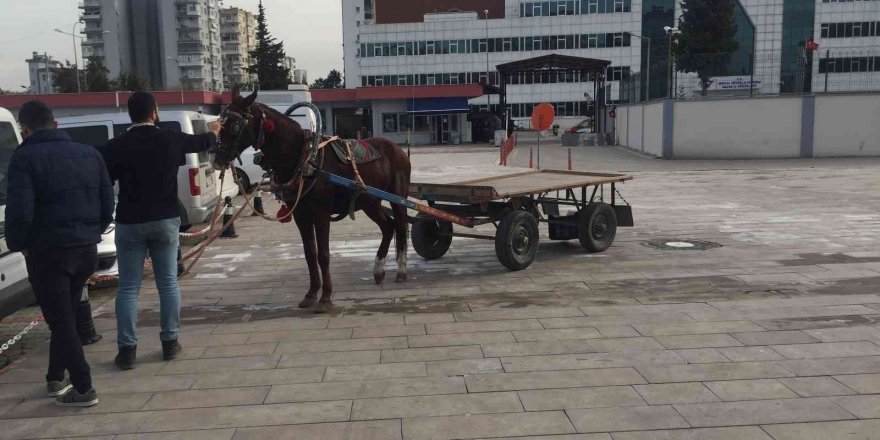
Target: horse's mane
{"x":286,"y":129}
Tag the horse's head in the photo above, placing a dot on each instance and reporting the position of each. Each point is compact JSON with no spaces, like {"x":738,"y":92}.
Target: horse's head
{"x":240,"y":128}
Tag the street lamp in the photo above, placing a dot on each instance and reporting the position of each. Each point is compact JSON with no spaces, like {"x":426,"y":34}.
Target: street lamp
{"x":75,"y":56}
{"x":648,"y":64}
{"x":488,"y":96}
{"x":671,"y":32}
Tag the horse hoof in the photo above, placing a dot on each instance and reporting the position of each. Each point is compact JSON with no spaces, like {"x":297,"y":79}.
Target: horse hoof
{"x":323,"y":307}
{"x":401,"y":277}
{"x":379,"y":277}
{"x":307,"y":302}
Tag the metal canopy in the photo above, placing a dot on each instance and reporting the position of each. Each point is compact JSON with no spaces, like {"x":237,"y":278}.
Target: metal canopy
{"x":595,"y":68}
{"x":554,"y":62}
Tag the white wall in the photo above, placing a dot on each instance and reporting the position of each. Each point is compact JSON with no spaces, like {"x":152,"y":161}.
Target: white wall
{"x":621,"y":126}
{"x":847,"y":125}
{"x":738,"y":128}
{"x":634,"y":127}
{"x":653,"y":129}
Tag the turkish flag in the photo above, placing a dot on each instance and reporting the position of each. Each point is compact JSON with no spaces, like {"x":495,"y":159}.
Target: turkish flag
{"x":812,"y":45}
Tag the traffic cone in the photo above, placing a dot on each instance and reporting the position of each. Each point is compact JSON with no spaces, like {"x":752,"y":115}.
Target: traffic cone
{"x":258,"y":203}
{"x":228,"y":213}
{"x":85,"y":326}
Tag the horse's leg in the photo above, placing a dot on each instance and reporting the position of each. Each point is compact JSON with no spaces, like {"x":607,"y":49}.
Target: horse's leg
{"x":322,"y":233}
{"x":376,"y":214}
{"x":400,"y":229}
{"x":306,"y":226}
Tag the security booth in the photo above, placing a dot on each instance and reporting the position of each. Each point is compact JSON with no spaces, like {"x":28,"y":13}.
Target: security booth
{"x":555,"y":67}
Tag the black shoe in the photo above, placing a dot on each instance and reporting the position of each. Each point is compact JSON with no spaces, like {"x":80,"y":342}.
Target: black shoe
{"x":170,"y":350}
{"x":126,"y":357}
{"x":75,"y":399}
{"x":91,"y":340}
{"x":57,"y":388}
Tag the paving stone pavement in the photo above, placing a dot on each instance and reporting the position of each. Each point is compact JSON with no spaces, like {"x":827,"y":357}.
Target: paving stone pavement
{"x":774,"y":335}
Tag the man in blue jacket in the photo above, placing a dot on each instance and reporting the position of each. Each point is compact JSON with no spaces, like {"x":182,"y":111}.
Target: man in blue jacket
{"x":60,"y":202}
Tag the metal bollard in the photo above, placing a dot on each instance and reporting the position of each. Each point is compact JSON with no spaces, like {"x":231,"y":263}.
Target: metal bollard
{"x":228,"y":213}
{"x":85,"y":326}
{"x":258,"y":203}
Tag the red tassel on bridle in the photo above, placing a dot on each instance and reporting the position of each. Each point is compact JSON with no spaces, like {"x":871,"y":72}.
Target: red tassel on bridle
{"x":269,"y":125}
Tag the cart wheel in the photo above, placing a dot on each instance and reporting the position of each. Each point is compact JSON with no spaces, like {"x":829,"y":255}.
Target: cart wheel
{"x":516,"y":242}
{"x":431,"y":238}
{"x":597,"y":227}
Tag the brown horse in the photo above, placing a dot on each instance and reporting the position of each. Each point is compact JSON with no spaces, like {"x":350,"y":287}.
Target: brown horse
{"x":295,"y":166}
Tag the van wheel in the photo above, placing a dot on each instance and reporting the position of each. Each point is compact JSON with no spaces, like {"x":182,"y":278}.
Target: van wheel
{"x":244,"y":180}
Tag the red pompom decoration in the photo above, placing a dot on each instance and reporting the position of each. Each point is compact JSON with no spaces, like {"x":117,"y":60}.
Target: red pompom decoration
{"x":283,"y":215}
{"x":269,"y":125}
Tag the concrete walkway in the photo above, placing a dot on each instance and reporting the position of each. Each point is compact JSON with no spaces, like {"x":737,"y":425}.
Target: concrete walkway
{"x":774,"y":335}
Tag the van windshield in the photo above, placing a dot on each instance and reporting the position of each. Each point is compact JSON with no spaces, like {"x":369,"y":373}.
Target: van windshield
{"x":8,"y":143}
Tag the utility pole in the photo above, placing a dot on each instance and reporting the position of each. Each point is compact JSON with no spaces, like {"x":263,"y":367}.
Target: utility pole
{"x":671,"y":32}
{"x":48,"y":74}
{"x":648,"y":64}
{"x":75,"y":56}
{"x":488,"y":72}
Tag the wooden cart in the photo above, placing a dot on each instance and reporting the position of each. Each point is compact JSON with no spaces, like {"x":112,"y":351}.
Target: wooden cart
{"x":515,"y":204}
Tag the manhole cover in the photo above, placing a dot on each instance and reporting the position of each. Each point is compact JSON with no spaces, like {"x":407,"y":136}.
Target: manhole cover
{"x":681,"y":245}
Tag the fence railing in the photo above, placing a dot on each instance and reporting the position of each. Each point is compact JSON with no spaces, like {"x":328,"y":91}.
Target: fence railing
{"x":841,"y":69}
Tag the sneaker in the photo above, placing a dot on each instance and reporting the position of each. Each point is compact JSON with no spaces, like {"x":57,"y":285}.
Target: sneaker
{"x":57,"y":388}
{"x":126,"y":357}
{"x":170,"y":350}
{"x":91,"y":340}
{"x":74,"y":399}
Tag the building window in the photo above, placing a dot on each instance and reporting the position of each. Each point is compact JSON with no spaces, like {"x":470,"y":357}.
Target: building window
{"x":368,"y":9}
{"x":389,"y":123}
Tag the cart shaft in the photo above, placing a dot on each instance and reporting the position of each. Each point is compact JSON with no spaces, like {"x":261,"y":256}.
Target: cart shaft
{"x":398,"y":200}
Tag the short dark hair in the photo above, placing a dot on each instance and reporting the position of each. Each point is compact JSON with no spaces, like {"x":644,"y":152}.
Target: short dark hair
{"x":141,"y":106}
{"x":36,"y":115}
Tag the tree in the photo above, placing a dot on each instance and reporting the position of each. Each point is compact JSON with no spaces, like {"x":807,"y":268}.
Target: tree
{"x":129,"y":82}
{"x":707,"y":40}
{"x":96,"y":76}
{"x":65,"y":78}
{"x":269,"y":57}
{"x":332,"y":81}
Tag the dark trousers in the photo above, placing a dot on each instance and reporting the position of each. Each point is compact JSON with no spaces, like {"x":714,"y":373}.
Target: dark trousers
{"x":57,"y":277}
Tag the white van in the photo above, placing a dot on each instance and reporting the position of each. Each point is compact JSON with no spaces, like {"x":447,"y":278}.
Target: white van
{"x":15,"y":290}
{"x":198,"y":187}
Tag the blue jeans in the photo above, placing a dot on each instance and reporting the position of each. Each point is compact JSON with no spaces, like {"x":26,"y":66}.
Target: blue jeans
{"x":133,"y":242}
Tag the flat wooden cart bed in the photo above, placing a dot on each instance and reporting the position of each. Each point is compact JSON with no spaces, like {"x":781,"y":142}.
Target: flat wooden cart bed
{"x":516,"y":204}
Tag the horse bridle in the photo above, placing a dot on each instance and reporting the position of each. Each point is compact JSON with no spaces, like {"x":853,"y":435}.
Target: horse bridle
{"x":237,"y":124}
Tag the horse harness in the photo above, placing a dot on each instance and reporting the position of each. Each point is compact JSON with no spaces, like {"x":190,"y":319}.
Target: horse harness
{"x":309,"y":169}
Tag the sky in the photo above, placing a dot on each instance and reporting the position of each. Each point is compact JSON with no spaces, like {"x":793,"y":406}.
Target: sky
{"x":310,"y":29}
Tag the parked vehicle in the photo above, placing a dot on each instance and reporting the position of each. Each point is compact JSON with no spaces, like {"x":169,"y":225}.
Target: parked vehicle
{"x":197,"y":180}
{"x":15,"y":290}
{"x":250,"y":174}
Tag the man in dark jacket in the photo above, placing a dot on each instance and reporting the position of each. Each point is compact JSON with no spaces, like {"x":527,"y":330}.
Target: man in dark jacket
{"x":60,"y":202}
{"x":145,"y":161}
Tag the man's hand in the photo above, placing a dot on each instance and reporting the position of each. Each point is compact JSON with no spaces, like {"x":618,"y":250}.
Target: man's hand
{"x":214,"y":127}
